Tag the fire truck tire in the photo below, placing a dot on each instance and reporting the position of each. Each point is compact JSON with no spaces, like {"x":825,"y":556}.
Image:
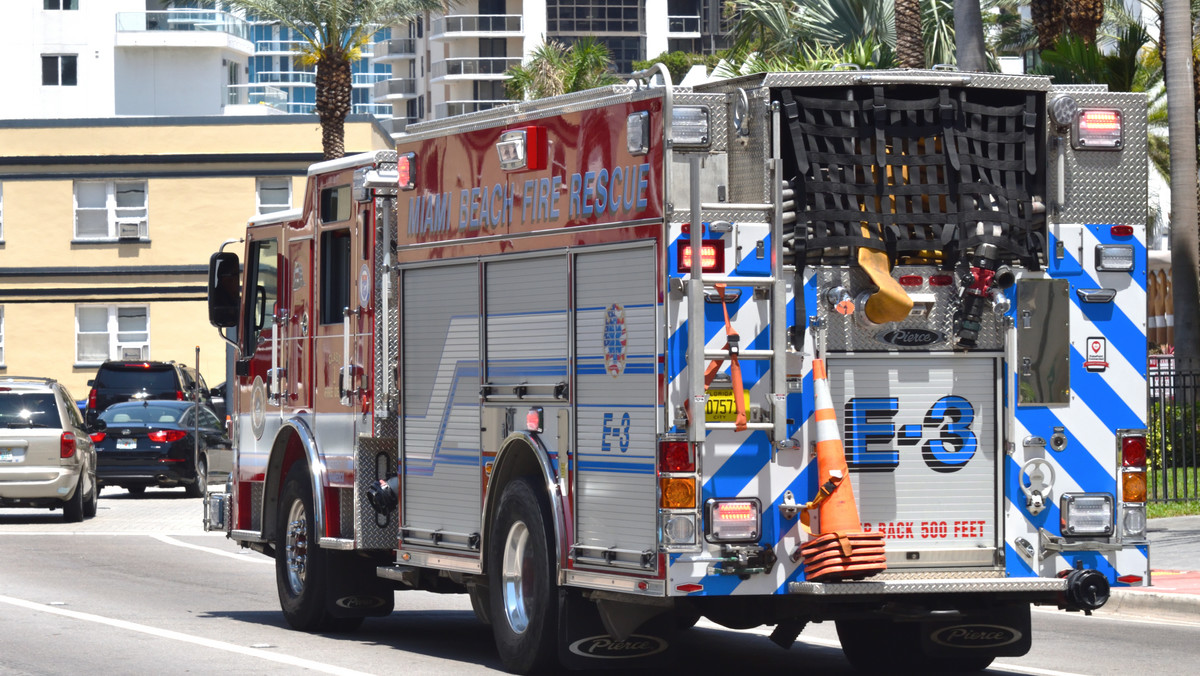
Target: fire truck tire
{"x":524,"y":607}
{"x":883,"y":646}
{"x":481,"y":603}
{"x":302,"y":569}
{"x":200,"y":487}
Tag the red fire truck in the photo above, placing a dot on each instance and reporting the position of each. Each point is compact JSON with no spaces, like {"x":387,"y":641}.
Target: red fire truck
{"x":613,"y":361}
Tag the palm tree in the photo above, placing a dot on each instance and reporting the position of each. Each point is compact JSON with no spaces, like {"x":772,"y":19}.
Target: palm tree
{"x":768,"y":28}
{"x":1181,"y":107}
{"x":910,"y":44}
{"x":334,"y":32}
{"x":1047,"y":17}
{"x":1083,"y":17}
{"x":554,"y":68}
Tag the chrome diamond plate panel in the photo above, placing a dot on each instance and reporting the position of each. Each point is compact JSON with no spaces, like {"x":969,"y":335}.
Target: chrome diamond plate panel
{"x":256,"y":506}
{"x":718,"y":117}
{"x":852,"y":78}
{"x":854,"y":334}
{"x":942,"y":586}
{"x":372,"y":531}
{"x":1105,"y":186}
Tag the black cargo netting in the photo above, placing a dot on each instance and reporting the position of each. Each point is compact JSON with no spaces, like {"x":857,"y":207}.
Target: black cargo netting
{"x":921,"y":172}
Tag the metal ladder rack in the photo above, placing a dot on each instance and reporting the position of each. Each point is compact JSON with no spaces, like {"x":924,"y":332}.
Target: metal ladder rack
{"x":697,"y":354}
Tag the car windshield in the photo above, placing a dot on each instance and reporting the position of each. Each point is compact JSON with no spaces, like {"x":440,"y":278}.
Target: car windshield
{"x":145,"y":414}
{"x":136,"y":378}
{"x":28,"y":409}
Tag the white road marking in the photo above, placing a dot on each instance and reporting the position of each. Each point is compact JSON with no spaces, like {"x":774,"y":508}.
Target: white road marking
{"x":256,"y":558}
{"x":184,"y":638}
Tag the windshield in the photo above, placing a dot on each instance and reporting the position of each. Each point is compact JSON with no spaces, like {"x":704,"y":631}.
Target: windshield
{"x":145,"y":414}
{"x":28,"y":409}
{"x":152,"y":378}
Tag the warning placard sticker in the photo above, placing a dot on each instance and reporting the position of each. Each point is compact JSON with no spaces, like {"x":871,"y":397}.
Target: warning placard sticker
{"x":1097,"y":350}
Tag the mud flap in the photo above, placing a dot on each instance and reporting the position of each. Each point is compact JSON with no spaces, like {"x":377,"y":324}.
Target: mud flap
{"x":354,"y":589}
{"x":584,"y":643}
{"x":1002,"y":631}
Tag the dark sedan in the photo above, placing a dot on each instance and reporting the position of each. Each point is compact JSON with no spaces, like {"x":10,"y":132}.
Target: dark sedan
{"x":153,"y":443}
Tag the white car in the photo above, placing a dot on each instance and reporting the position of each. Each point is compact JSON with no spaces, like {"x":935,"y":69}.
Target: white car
{"x":46,"y":456}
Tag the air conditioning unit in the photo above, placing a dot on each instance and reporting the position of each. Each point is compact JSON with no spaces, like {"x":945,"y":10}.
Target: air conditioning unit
{"x":129,"y":229}
{"x":141,"y":352}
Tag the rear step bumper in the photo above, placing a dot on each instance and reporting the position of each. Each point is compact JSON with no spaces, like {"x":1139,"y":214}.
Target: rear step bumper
{"x":934,"y":586}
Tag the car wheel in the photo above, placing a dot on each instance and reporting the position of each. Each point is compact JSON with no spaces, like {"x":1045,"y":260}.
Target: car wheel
{"x":73,"y":507}
{"x":302,"y":569}
{"x":198,"y":489}
{"x":524,"y":612}
{"x":91,"y":503}
{"x":136,"y":491}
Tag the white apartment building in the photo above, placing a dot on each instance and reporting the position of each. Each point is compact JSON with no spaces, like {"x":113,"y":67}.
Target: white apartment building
{"x":447,"y":64}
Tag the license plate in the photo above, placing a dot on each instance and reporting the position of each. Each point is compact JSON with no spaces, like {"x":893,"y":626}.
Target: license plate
{"x":126,"y":443}
{"x":722,"y":406}
{"x":11,"y":455}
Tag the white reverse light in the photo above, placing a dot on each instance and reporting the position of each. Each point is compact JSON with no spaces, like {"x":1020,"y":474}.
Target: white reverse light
{"x":1086,"y":514}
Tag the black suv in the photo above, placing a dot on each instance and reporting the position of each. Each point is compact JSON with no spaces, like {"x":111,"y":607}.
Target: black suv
{"x":118,"y":381}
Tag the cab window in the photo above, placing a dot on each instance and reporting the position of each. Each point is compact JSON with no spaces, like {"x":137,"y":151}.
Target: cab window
{"x":262,"y":288}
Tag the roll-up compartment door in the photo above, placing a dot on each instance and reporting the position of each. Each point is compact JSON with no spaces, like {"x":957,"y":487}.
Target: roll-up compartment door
{"x":440,"y":384}
{"x":616,"y":400}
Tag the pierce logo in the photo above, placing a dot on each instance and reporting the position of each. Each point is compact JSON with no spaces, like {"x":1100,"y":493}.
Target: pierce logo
{"x":975,"y":636}
{"x":608,"y":648}
{"x":360,"y":602}
{"x":911,"y":337}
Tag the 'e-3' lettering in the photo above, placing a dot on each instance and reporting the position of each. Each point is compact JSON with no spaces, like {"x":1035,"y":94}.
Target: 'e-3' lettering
{"x":615,"y":431}
{"x":868,"y":422}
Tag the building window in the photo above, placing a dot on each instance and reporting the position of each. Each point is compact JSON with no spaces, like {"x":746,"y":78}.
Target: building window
{"x":110,"y":210}
{"x":274,"y":194}
{"x":58,"y":69}
{"x":111,"y":332}
{"x":60,"y":4}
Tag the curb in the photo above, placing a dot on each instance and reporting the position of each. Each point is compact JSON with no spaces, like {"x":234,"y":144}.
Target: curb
{"x":1144,"y":602}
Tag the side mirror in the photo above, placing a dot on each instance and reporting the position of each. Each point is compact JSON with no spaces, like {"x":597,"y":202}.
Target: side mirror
{"x":224,"y":282}
{"x":97,"y":425}
{"x":91,"y":382}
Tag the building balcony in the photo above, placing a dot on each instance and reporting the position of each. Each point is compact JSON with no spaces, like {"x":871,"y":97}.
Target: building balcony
{"x":250,"y":99}
{"x":473,"y":68}
{"x":368,"y":79}
{"x":683,"y":26}
{"x":450,"y":108}
{"x":395,"y":89}
{"x":278,"y":47}
{"x":287,"y":77}
{"x":477,"y":26}
{"x":396,"y":49}
{"x":184,"y":28}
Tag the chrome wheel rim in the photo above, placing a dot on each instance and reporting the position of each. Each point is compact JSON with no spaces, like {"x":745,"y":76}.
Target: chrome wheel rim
{"x":516,"y":553}
{"x":296,"y":547}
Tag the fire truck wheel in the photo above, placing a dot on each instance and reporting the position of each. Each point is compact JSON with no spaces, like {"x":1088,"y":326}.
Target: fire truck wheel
{"x":302,"y":569}
{"x":524,"y":606}
{"x":883,"y":646}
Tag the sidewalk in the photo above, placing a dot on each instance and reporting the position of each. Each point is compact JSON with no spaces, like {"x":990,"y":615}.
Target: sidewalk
{"x":1174,"y":590}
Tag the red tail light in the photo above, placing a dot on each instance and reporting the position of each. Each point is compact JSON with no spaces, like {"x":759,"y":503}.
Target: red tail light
{"x":911,"y":280}
{"x":166,"y":436}
{"x":179,"y":395}
{"x":66,"y":445}
{"x":676,"y":456}
{"x":97,"y":437}
{"x":92,"y":399}
{"x":1133,"y":451}
{"x":712,"y":256}
{"x":940,"y":280}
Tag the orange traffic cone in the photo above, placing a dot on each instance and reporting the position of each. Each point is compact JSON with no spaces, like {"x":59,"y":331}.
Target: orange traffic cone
{"x":842,"y":550}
